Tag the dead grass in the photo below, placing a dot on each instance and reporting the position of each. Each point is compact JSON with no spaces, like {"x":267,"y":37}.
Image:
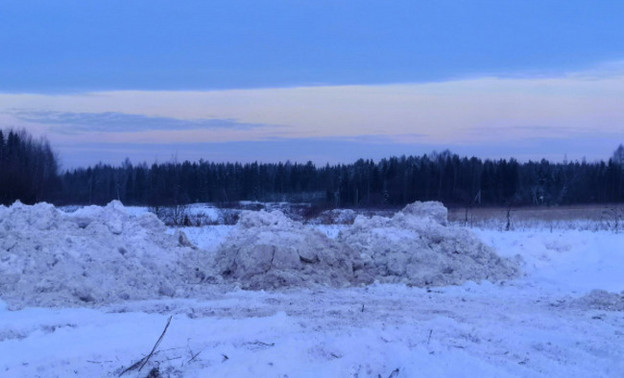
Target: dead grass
{"x":604,"y":216}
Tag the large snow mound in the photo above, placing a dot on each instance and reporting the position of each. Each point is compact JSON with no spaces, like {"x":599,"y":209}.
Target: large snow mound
{"x":268,"y":250}
{"x":416,"y":247}
{"x":92,"y":256}
{"x":99,"y":255}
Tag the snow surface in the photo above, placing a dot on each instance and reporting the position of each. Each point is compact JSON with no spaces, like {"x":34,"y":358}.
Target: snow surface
{"x":562,"y":318}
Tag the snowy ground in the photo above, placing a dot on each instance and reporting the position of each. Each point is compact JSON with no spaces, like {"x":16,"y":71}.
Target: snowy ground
{"x":548,"y":323}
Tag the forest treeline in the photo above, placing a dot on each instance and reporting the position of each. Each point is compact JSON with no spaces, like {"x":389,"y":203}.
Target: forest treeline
{"x":28,"y":168}
{"x":395,"y":181}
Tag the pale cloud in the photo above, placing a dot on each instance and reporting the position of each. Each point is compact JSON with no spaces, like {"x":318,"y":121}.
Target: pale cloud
{"x":475,"y":111}
{"x":75,"y":122}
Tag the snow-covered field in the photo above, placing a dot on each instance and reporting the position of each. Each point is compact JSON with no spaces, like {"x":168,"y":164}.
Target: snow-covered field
{"x":562,"y":317}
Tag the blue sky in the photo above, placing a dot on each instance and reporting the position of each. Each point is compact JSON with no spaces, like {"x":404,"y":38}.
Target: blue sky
{"x":322,"y":80}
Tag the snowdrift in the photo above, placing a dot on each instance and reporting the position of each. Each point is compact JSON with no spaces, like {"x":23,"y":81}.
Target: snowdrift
{"x":601,"y":300}
{"x":102,"y":255}
{"x":416,"y":247}
{"x":95,"y":255}
{"x":268,"y":250}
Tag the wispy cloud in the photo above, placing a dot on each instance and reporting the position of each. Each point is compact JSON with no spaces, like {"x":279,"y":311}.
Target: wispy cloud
{"x":477,"y":114}
{"x":503,"y":131}
{"x":116,"y":122}
{"x":369,"y":139}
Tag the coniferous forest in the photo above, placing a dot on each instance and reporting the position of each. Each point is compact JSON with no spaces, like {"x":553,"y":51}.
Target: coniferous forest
{"x":28,"y":172}
{"x":28,"y":169}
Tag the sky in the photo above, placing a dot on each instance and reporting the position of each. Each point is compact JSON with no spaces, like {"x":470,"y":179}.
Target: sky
{"x":326,"y":81}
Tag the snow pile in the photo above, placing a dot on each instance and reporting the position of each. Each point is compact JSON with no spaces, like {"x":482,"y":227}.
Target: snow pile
{"x":335,"y":216}
{"x":602,"y":300}
{"x":432,"y":210}
{"x":268,"y":250}
{"x":417,"y":248}
{"x":92,"y":256}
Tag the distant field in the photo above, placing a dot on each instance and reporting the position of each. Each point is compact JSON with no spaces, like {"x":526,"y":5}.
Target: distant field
{"x":604,"y":216}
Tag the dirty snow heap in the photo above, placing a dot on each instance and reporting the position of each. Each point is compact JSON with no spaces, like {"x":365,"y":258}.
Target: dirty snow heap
{"x":268,"y":250}
{"x":95,"y":255}
{"x":104,"y":254}
{"x":417,"y":247}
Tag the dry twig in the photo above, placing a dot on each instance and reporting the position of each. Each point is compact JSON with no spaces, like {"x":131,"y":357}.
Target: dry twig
{"x":141,"y":363}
